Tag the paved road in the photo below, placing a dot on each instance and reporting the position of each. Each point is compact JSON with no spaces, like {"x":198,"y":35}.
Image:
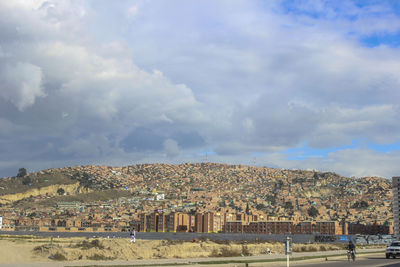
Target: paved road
{"x":370,"y":261}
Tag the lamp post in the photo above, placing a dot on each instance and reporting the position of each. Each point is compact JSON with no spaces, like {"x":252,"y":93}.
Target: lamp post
{"x":288,"y":249}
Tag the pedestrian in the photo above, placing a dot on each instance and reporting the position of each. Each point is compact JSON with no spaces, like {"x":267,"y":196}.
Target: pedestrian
{"x":133,"y":235}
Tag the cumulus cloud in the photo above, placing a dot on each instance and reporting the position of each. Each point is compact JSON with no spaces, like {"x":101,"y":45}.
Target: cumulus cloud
{"x":91,"y":100}
{"x":116,"y":82}
{"x":21,"y":84}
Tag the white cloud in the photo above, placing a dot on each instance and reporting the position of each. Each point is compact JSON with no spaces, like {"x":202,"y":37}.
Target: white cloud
{"x":21,"y":84}
{"x":27,"y":4}
{"x":251,"y":77}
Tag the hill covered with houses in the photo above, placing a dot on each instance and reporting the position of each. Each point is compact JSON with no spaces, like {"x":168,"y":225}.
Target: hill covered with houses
{"x":204,"y":187}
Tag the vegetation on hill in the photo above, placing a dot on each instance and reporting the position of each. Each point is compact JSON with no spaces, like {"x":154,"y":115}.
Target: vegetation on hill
{"x":22,"y":183}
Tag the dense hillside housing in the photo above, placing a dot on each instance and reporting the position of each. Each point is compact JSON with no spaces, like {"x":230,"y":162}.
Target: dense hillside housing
{"x":201,"y":197}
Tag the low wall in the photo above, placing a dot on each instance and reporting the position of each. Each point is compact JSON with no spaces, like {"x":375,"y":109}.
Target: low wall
{"x":373,"y":239}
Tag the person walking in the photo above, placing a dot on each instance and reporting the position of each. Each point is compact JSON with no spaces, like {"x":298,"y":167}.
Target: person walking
{"x":133,"y":235}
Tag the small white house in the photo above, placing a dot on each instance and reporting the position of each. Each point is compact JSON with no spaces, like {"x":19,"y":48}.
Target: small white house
{"x":160,"y":196}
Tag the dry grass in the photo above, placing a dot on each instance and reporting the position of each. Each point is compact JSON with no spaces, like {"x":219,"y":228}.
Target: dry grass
{"x":88,"y":245}
{"x":75,"y":249}
{"x":58,"y":257}
{"x":315,"y":247}
{"x":100,"y":257}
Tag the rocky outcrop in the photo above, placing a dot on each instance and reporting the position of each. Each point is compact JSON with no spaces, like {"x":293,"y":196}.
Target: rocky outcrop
{"x":48,"y":190}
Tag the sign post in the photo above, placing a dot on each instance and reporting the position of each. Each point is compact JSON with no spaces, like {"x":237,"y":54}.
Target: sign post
{"x":288,"y":249}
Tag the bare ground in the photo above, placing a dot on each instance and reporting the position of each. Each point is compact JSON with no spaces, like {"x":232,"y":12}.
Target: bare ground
{"x":27,"y":249}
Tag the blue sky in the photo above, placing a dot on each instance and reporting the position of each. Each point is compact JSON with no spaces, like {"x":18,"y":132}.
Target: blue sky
{"x":287,"y":84}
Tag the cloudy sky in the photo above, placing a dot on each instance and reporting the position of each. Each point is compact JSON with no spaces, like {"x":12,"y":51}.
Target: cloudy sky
{"x":287,"y":84}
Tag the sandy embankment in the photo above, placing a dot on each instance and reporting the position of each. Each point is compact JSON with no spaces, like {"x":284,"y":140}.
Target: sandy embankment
{"x":32,"y":249}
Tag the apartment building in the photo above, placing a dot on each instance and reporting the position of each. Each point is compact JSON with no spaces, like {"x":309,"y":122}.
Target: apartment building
{"x":208,"y":222}
{"x":178,"y":222}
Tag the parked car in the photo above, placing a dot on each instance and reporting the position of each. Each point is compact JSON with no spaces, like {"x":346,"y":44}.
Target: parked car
{"x":393,"y":250}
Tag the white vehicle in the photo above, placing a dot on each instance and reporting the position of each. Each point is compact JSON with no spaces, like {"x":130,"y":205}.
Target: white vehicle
{"x":393,"y":250}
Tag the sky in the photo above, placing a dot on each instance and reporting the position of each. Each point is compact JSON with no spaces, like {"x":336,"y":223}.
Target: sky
{"x":301,"y":84}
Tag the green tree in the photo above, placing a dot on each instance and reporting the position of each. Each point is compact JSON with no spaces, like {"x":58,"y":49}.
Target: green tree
{"x":313,"y":212}
{"x":60,"y":191}
{"x":21,"y":172}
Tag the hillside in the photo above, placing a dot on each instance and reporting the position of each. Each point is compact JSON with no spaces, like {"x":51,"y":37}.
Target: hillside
{"x":209,"y":186}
